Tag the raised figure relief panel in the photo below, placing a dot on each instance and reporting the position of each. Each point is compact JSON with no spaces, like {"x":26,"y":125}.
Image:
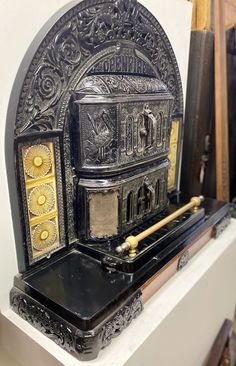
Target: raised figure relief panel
{"x":98,"y":135}
{"x":120,"y":202}
{"x":143,"y":196}
{"x":120,"y":120}
{"x":144,"y":130}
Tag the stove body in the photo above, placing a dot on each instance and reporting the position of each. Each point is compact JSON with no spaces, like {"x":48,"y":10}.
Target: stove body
{"x":96,"y":152}
{"x":120,"y":134}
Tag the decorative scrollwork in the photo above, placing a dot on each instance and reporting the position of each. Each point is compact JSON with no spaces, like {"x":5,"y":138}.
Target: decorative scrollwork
{"x":67,"y":44}
{"x":84,"y":345}
{"x":75,"y":37}
{"x":107,"y":84}
{"x":127,"y":20}
{"x":121,"y":320}
{"x":57,"y":329}
{"x":108,"y":22}
{"x":51,"y":77}
{"x":48,"y":83}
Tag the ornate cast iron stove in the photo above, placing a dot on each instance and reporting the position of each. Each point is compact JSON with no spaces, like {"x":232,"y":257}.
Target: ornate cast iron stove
{"x":96,"y":149}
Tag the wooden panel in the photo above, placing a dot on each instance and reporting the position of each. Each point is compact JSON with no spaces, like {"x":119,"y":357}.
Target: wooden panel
{"x":158,"y":280}
{"x":217,"y":351}
{"x":201,"y":16}
{"x":221,"y":105}
{"x":230,"y":13}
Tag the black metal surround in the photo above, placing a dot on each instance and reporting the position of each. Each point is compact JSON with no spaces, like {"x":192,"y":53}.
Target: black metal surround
{"x":88,"y":130}
{"x":88,"y":39}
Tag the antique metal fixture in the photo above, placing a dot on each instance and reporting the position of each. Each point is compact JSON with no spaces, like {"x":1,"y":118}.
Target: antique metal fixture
{"x":93,"y":142}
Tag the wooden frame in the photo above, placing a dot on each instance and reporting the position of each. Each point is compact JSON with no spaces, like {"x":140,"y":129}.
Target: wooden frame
{"x":217,"y":15}
{"x":221,"y":104}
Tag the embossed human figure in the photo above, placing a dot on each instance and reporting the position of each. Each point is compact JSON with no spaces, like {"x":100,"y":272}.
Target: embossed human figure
{"x":150,"y":124}
{"x":149,"y":129}
{"x":146,"y":197}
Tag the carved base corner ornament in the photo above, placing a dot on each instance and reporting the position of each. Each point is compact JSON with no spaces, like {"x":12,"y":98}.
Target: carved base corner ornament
{"x":85,"y":345}
{"x":183,"y":260}
{"x":222,"y":225}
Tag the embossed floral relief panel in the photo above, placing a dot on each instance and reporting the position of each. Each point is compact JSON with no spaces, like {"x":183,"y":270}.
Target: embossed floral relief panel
{"x":41,"y":179}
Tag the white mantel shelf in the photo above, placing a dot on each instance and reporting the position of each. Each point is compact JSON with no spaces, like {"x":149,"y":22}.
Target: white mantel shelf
{"x":177,"y":326}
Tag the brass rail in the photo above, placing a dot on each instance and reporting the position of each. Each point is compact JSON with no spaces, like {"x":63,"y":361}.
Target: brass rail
{"x":131,"y":242}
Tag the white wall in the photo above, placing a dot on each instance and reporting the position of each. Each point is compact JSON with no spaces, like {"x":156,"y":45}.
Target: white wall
{"x":175,"y":18}
{"x":19,"y":23}
{"x":186,"y":335}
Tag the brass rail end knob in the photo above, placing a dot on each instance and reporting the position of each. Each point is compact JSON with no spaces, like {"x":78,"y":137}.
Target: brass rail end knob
{"x":197,"y":200}
{"x":132,"y":242}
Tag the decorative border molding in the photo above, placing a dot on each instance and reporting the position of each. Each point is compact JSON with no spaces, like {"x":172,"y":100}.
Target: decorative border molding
{"x":83,"y":345}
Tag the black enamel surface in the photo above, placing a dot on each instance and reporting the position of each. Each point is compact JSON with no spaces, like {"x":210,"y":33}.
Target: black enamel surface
{"x":77,"y":283}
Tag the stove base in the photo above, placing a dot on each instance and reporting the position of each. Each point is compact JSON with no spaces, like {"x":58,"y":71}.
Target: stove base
{"x":81,"y":306}
{"x":83,"y":345}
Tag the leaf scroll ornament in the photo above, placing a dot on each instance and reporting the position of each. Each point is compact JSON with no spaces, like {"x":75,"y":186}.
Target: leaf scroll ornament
{"x":51,"y":77}
{"x":77,"y":36}
{"x":125,"y":20}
